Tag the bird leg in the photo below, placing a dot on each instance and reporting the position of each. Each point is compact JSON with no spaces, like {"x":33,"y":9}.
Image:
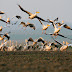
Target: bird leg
{"x":25,"y":28}
{"x":6,"y":24}
{"x":22,"y":28}
{"x":45,"y":31}
{"x":42,"y":31}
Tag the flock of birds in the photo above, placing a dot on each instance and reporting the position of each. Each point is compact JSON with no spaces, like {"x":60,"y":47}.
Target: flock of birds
{"x":38,"y":44}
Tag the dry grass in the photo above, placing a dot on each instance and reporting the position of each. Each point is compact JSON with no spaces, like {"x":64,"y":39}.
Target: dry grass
{"x":35,"y":61}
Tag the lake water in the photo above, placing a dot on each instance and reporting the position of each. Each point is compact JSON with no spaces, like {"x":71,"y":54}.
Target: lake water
{"x":18,"y":34}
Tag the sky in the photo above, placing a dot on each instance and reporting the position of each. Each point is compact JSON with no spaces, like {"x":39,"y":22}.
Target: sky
{"x":49,"y":9}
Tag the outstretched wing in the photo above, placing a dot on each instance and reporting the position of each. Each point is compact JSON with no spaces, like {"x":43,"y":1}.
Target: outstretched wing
{"x":23,"y":23}
{"x":25,"y":10}
{"x":40,"y":40}
{"x":64,"y":36}
{"x":3,"y":20}
{"x":31,"y":25}
{"x":1,"y":12}
{"x":66,"y":26}
{"x":56,"y":19}
{"x":19,"y":17}
{"x":30,"y":39}
{"x":41,"y":19}
{"x":8,"y":37}
{"x":57,"y":41}
{"x":40,"y":22}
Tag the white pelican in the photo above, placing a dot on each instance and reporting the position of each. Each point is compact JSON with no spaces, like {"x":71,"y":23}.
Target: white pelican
{"x":47,"y":47}
{"x":26,"y":46}
{"x":6,"y":35}
{"x":52,"y":21}
{"x":45,"y":27}
{"x":64,"y":25}
{"x":28,"y":24}
{"x":63,"y":45}
{"x":1,"y":12}
{"x":41,"y":40}
{"x":31,"y":16}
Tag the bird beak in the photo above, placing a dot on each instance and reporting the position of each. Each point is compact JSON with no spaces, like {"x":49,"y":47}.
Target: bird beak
{"x":59,"y":28}
{"x":37,"y":12}
{"x":67,"y":43}
{"x":62,"y":22}
{"x":48,"y":25}
{"x":63,"y":42}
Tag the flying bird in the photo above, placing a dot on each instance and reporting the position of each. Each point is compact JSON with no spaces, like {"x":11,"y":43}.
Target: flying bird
{"x":64,"y":25}
{"x":58,"y":35}
{"x":52,"y":21}
{"x":31,"y":16}
{"x":63,"y":45}
{"x":1,"y":12}
{"x":45,"y":27}
{"x":41,"y":40}
{"x":6,"y":35}
{"x":28,"y":24}
{"x":31,"y":25}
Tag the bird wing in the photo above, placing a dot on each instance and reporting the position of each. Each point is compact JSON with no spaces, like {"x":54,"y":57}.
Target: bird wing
{"x":8,"y":37}
{"x":49,"y":34}
{"x":31,"y":25}
{"x":50,"y":21}
{"x":57,"y":41}
{"x":66,"y":26}
{"x":3,"y":20}
{"x":25,"y":10}
{"x":23,"y":23}
{"x":2,"y":12}
{"x":56,"y":19}
{"x":41,"y":22}
{"x":30,"y":39}
{"x":41,"y":19}
{"x":64,"y":36}
{"x":40,"y":40}
{"x":19,"y":17}
{"x":58,"y":23}
{"x":53,"y":44}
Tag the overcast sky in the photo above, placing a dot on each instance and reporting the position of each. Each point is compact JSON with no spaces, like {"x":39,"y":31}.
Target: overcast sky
{"x":47,"y":8}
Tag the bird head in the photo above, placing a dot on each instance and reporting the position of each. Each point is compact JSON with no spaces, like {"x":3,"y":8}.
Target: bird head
{"x":8,"y":20}
{"x":59,"y":28}
{"x":62,"y":21}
